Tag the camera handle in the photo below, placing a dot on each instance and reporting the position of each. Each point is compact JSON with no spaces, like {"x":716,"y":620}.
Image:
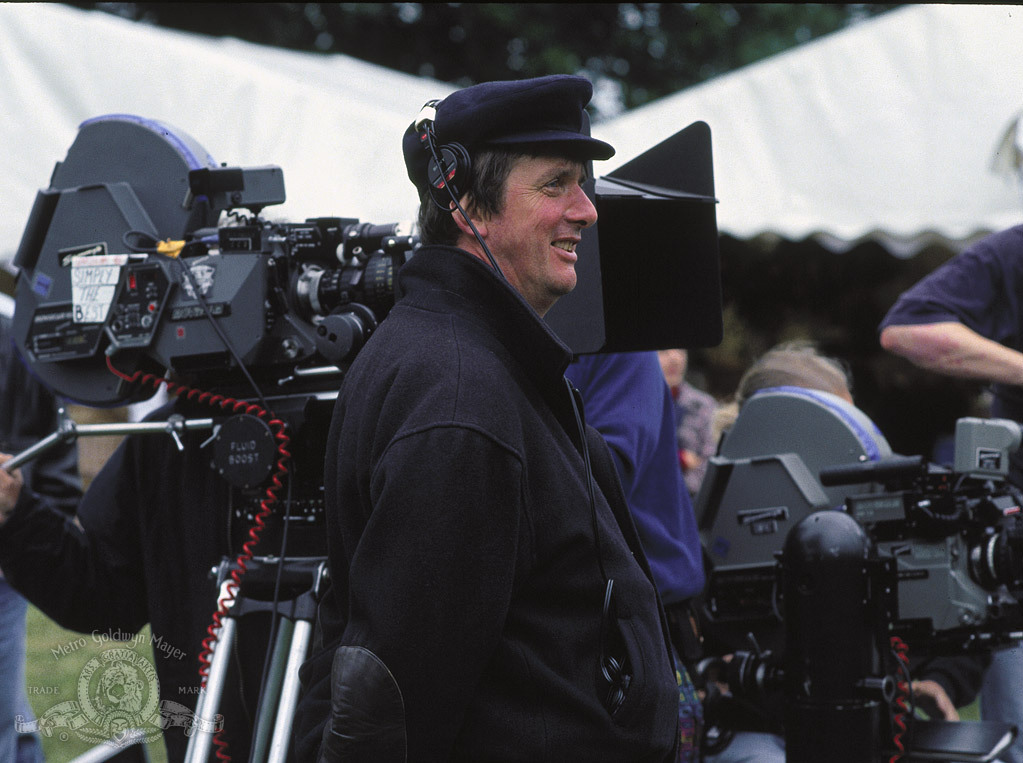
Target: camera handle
{"x":279,"y":698}
{"x":68,"y":431}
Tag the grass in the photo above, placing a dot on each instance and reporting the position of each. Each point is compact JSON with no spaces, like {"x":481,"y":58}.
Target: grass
{"x":56,"y":661}
{"x":56,"y":658}
{"x":54,"y":666}
{"x":970,"y":712}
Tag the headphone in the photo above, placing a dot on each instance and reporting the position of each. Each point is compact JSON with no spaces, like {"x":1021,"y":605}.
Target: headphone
{"x":448,"y":169}
{"x":449,"y":165}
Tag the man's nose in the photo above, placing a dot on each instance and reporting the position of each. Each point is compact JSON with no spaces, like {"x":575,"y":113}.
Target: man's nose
{"x":582,"y":212}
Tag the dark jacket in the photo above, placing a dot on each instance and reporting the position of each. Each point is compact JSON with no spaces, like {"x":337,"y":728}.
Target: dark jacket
{"x":462,"y":539}
{"x":28,"y":413}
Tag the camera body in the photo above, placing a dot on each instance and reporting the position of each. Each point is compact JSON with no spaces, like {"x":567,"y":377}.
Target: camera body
{"x":955,"y":541}
{"x":951,"y":536}
{"x":825,"y":546}
{"x":100,"y":274}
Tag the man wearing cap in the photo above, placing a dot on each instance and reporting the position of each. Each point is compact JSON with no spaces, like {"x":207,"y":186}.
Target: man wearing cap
{"x":489,"y":600}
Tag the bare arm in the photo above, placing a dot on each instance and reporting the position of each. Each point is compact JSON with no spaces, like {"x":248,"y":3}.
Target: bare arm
{"x":933,"y":700}
{"x":953,"y":349}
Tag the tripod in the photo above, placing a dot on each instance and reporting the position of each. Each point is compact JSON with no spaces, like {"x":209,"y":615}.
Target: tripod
{"x":291,"y":644}
{"x":301,"y":577}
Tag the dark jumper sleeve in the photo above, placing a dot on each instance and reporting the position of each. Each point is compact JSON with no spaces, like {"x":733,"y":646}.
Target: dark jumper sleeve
{"x":82,"y":572}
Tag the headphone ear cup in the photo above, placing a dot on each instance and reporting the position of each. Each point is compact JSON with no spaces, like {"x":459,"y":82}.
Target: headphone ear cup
{"x":452,"y":174}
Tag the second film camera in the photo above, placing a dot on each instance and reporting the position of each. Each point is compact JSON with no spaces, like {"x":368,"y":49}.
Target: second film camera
{"x":827,"y":549}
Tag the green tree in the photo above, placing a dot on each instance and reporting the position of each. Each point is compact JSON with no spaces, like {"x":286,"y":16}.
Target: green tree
{"x":633,"y":52}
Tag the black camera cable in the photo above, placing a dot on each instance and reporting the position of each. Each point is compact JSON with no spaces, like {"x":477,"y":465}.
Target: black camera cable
{"x":613,"y":670}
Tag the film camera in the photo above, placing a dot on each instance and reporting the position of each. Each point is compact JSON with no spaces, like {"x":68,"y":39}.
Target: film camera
{"x":828,"y":550}
{"x":143,"y":256}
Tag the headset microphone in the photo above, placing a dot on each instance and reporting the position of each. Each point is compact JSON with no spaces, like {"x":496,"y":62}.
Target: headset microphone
{"x":447,"y":171}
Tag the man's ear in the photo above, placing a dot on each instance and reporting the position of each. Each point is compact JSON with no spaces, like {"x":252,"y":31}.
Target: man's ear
{"x":463,"y":226}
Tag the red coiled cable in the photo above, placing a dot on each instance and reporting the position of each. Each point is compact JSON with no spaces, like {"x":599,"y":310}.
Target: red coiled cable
{"x":265,"y":506}
{"x":901,"y":700}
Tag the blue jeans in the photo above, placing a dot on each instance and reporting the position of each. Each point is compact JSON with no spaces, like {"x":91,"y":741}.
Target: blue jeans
{"x":751,"y":747}
{"x":23,"y":748}
{"x":1001,"y":696}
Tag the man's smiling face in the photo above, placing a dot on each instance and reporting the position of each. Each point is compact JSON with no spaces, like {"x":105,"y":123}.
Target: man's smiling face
{"x":534,"y":236}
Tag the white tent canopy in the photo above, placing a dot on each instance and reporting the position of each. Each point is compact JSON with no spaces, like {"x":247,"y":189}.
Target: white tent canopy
{"x":886,"y":130}
{"x":332,"y":123}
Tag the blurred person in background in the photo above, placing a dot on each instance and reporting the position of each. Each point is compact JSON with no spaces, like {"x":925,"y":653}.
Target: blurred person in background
{"x":694,"y":418}
{"x":789,"y":364}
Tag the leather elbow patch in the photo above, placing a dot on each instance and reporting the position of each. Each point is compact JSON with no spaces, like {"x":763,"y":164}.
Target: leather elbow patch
{"x":367,"y":713}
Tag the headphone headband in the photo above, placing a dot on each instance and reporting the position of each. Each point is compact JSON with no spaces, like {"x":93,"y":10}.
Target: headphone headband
{"x":427,"y":114}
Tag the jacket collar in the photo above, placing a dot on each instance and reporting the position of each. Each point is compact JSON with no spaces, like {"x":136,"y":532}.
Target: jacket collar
{"x":470,"y":288}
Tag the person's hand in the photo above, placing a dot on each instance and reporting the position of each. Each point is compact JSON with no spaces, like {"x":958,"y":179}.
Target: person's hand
{"x":10,"y":488}
{"x":689,"y":459}
{"x":934,"y":701}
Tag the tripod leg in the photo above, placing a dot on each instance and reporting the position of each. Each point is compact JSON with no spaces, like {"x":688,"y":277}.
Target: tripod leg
{"x":209,"y":698}
{"x":272,"y":691}
{"x":289,"y":692}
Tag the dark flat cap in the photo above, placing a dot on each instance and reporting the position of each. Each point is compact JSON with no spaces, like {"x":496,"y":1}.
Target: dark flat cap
{"x":543,"y":111}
